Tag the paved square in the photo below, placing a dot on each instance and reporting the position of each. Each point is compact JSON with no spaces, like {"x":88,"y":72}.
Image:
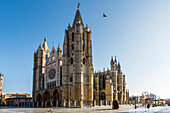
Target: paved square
{"x":98,"y":109}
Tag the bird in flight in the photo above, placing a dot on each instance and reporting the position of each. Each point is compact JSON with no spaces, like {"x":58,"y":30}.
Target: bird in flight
{"x":104,"y":15}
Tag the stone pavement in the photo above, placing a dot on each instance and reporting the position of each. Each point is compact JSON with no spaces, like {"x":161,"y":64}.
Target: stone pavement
{"x":98,"y":109}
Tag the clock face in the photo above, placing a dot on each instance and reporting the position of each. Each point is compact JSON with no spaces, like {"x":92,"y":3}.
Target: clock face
{"x":52,"y":74}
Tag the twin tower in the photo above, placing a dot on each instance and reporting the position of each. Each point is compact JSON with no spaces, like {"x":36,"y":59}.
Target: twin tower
{"x":68,"y":79}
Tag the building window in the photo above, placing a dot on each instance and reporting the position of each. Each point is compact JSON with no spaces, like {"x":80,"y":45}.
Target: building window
{"x":83,"y":36}
{"x":71,"y":79}
{"x":83,"y":47}
{"x":104,"y":82}
{"x":94,"y":96}
{"x":72,"y":36}
{"x":52,"y":58}
{"x":84,"y":61}
{"x":72,"y":46}
{"x":71,"y":60}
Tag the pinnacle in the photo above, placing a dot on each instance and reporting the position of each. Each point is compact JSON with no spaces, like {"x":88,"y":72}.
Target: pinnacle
{"x":53,"y":44}
{"x":115,"y":58}
{"x":45,"y":39}
{"x":111,"y":58}
{"x":45,"y":46}
{"x":40,"y":46}
{"x":59,"y":46}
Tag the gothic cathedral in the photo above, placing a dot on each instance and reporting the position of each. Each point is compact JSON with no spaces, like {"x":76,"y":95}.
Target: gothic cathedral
{"x":69,"y":79}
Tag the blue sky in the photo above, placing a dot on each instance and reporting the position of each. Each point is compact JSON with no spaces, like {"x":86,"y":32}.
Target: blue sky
{"x":136,"y":31}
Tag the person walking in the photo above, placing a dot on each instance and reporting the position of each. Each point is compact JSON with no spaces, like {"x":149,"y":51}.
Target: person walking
{"x":51,"y":108}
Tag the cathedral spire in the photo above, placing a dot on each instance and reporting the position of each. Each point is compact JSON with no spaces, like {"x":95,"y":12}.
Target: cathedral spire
{"x":77,"y":17}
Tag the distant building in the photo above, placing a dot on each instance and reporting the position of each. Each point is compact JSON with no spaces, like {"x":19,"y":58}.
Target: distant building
{"x":137,"y":99}
{"x":1,"y":87}
{"x":167,"y":101}
{"x":149,"y":97}
{"x":3,"y":98}
{"x":18,"y":99}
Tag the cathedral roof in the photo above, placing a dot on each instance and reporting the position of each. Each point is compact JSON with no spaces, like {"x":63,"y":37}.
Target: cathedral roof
{"x":77,"y":17}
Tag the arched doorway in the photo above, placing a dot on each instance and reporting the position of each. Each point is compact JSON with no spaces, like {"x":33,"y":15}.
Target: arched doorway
{"x":56,"y":97}
{"x":119,"y":96}
{"x":47,"y":98}
{"x":39,"y":99}
{"x":103,"y":97}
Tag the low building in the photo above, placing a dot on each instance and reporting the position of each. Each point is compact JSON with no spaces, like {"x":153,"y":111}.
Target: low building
{"x":167,"y":101}
{"x":150,"y":98}
{"x":18,"y":99}
{"x":136,"y":99}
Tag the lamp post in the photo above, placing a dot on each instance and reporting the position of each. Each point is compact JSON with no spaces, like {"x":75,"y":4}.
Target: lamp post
{"x":135,"y":103}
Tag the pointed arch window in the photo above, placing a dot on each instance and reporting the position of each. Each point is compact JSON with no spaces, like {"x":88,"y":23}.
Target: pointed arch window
{"x":72,"y":46}
{"x":103,"y":97}
{"x":71,"y":60}
{"x":83,"y":36}
{"x":84,"y":61}
{"x":72,"y":36}
{"x":103,"y":82}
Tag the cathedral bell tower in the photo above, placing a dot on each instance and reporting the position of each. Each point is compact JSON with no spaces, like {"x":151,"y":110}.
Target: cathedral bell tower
{"x":114,"y":77}
{"x":77,"y":69}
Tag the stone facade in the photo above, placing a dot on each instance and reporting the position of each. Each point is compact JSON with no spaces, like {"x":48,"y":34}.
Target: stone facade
{"x":69,"y":79}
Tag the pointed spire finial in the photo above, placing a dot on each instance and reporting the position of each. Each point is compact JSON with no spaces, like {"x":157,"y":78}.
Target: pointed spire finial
{"x":53,"y":43}
{"x":115,"y":58}
{"x":78,"y":5}
{"x":45,"y":39}
{"x":111,"y":58}
{"x":59,"y":44}
{"x":86,"y":25}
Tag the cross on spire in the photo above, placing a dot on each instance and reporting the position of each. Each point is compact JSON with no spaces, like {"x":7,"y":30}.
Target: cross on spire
{"x":78,"y":5}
